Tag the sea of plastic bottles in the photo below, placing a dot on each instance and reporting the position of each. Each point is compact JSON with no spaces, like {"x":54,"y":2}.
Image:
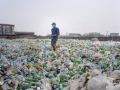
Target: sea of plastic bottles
{"x":31,"y":64}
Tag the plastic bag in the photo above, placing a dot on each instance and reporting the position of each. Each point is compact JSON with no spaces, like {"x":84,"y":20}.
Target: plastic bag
{"x":99,"y":83}
{"x":116,"y":74}
{"x":117,"y":87}
{"x":95,"y":72}
{"x":66,"y":88}
{"x":74,"y":85}
{"x":98,"y":56}
{"x":84,"y":88}
{"x":5,"y":87}
{"x":47,"y":85}
{"x":56,"y":62}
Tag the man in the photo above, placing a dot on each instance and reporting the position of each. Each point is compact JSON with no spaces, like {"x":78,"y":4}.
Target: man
{"x":55,"y":33}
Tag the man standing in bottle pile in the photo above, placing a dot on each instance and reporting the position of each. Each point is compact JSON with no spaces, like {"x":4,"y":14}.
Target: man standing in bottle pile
{"x":55,"y":32}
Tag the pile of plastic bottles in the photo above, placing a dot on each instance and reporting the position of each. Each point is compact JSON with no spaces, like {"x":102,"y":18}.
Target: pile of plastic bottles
{"x":31,"y":64}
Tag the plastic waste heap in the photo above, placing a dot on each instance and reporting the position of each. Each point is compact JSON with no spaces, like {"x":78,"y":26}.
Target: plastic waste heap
{"x":31,"y":64}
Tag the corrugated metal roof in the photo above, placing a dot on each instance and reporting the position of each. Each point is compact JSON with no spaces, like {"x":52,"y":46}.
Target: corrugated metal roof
{"x":7,"y":24}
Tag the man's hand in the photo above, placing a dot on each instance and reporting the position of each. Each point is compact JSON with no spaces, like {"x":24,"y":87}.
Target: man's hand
{"x":54,"y":35}
{"x":49,"y":36}
{"x":58,"y":33}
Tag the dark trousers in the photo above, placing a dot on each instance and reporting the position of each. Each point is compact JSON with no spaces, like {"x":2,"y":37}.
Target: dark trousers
{"x":54,"y":40}
{"x":53,"y":43}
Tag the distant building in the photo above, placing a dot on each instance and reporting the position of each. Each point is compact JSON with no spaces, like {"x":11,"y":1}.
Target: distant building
{"x":63,"y":36}
{"x":6,"y":29}
{"x":86,"y":34}
{"x":114,"y":34}
{"x":93,"y":34}
{"x":24,"y":33}
{"x":74,"y":35}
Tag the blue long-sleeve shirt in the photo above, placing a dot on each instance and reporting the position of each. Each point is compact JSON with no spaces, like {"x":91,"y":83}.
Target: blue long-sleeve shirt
{"x":55,"y":31}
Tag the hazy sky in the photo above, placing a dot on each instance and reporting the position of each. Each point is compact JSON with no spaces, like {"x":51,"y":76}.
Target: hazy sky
{"x":73,"y":16}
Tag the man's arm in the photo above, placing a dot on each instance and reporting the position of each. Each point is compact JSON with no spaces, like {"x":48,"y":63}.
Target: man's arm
{"x":58,"y":33}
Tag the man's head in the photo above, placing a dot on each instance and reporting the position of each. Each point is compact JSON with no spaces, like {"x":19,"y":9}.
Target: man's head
{"x":54,"y":24}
